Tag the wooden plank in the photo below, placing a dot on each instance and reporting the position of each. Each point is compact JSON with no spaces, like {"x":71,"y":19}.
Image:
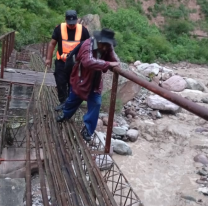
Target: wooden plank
{"x":29,"y":77}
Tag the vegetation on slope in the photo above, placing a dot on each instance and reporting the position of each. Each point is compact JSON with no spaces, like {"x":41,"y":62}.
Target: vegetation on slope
{"x":137,"y":39}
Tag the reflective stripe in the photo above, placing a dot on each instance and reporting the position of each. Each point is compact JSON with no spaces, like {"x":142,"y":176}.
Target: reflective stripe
{"x":68,"y":46}
{"x":64,"y":34}
{"x":78,"y":33}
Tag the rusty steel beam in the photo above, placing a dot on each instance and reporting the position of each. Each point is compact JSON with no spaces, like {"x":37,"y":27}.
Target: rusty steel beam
{"x":43,"y":51}
{"x":7,"y":47}
{"x":28,"y":164}
{"x":111,"y":112}
{"x":2,"y":58}
{"x":40,"y":166}
{"x":4,"y":35}
{"x":7,"y":51}
{"x":182,"y":102}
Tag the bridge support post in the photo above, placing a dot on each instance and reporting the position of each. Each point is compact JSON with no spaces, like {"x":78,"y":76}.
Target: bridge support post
{"x":111,"y":112}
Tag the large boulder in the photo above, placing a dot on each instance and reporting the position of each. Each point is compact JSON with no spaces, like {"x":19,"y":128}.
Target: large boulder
{"x":193,"y":84}
{"x":127,"y":91}
{"x":152,"y":69}
{"x":157,"y":102}
{"x":120,"y":147}
{"x":91,"y":22}
{"x":193,"y":95}
{"x":142,"y":67}
{"x":175,"y":83}
{"x":132,"y":135}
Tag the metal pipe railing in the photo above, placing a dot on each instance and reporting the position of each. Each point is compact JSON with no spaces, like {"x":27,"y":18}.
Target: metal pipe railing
{"x":180,"y":101}
{"x":44,"y":48}
{"x":7,"y":48}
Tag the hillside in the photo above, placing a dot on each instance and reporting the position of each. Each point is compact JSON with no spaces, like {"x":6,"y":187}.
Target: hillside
{"x":156,"y":11}
{"x":148,"y":30}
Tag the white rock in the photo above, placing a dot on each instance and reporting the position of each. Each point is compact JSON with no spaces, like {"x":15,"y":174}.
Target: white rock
{"x":149,"y":122}
{"x":119,"y":131}
{"x":157,"y":102}
{"x":142,"y":67}
{"x":151,"y":69}
{"x":194,"y":95}
{"x":10,"y":70}
{"x":204,"y":190}
{"x":165,"y":70}
{"x":129,"y":103}
{"x":137,"y":63}
{"x":121,"y":147}
{"x":132,"y":134}
{"x":104,"y":162}
{"x":101,"y":137}
{"x":124,"y":127}
{"x":193,"y":84}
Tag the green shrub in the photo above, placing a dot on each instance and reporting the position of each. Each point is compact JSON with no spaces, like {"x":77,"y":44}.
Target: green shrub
{"x":176,"y":12}
{"x":160,"y":44}
{"x":173,"y":29}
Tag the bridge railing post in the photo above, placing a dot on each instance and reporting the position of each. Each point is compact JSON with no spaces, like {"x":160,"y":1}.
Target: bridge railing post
{"x":44,"y":48}
{"x":7,"y":48}
{"x":2,"y":58}
{"x":111,"y":111}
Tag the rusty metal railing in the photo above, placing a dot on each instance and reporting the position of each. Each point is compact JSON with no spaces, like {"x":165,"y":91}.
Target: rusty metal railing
{"x":7,"y":41}
{"x":44,"y":48}
{"x":184,"y":103}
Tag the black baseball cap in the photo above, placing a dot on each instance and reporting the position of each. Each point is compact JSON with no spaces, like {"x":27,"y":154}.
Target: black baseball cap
{"x":71,"y":17}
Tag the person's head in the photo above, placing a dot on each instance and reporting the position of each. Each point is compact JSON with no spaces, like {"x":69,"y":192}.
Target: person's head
{"x":71,"y":19}
{"x":105,"y":39}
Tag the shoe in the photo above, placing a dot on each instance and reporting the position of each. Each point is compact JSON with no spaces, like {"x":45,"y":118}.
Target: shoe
{"x":85,"y":134}
{"x":60,"y":106}
{"x":60,"y":118}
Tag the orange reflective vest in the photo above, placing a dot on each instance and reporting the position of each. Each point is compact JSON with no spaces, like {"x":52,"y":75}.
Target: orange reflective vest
{"x":68,"y":46}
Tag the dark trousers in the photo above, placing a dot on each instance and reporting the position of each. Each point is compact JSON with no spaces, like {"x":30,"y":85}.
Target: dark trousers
{"x":62,"y":80}
{"x":93,"y":107}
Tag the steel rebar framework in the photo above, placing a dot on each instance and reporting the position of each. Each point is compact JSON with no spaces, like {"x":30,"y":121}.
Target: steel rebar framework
{"x":73,"y":170}
{"x":76,"y":172}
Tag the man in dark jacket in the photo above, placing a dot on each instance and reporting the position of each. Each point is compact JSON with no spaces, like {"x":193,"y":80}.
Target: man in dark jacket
{"x":68,"y":35}
{"x":95,"y":57}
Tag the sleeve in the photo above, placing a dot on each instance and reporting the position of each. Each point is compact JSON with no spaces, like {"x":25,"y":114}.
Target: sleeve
{"x":88,"y":61}
{"x":85,"y":34}
{"x":56,"y":33}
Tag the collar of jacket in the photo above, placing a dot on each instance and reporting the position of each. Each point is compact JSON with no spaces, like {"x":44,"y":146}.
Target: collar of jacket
{"x":95,"y":46}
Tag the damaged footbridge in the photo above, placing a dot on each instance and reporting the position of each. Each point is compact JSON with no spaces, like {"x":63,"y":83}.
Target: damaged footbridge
{"x":71,"y":171}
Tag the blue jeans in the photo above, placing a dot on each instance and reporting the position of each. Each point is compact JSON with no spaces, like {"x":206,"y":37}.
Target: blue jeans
{"x":93,"y":107}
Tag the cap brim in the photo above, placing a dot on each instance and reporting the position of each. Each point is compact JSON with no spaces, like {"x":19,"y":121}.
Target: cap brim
{"x":99,"y":38}
{"x":71,"y":21}
{"x":109,"y":41}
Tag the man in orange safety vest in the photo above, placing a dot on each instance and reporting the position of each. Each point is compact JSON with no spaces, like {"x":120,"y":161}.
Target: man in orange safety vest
{"x":68,"y":35}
